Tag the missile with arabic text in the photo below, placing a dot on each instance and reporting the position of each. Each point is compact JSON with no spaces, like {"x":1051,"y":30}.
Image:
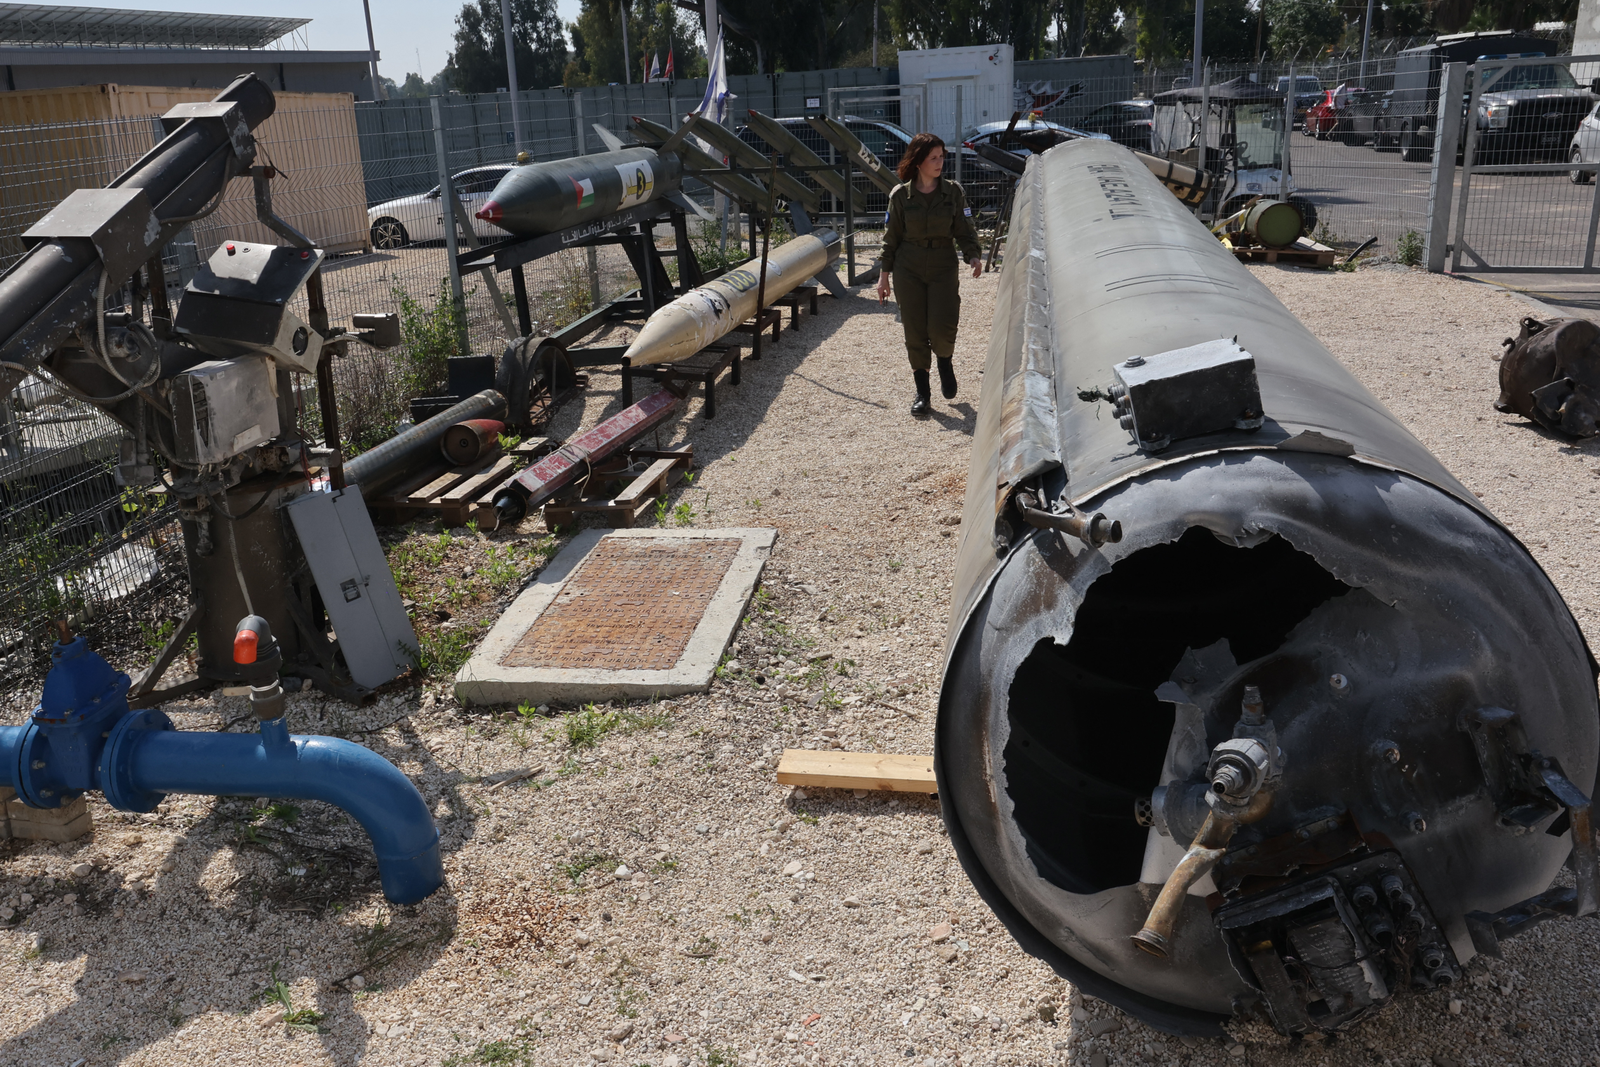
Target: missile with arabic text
{"x":701,"y":316}
{"x":541,"y":198}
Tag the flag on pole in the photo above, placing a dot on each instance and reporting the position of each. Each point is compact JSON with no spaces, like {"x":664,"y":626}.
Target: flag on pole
{"x":655,"y":68}
{"x":715,"y":104}
{"x":668,"y":73}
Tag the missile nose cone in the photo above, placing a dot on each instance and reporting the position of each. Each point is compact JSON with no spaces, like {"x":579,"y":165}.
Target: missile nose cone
{"x":490,"y":212}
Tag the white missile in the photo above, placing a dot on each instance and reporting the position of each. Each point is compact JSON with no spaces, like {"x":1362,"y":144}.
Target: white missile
{"x":701,"y":316}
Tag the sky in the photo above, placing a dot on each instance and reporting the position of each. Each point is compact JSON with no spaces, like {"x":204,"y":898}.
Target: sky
{"x":407,"y":32}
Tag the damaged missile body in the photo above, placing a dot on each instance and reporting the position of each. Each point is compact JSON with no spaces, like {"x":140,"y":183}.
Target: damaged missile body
{"x":1316,"y":729}
{"x":701,"y":316}
{"x":541,"y":198}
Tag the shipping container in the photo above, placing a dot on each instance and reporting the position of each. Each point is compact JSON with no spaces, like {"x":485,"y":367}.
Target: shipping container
{"x":53,"y":141}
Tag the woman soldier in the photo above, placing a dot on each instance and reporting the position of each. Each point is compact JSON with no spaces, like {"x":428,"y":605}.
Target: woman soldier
{"x":928,"y":214}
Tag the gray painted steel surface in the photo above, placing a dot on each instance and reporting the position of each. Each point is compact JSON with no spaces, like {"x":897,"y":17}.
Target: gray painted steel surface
{"x":1428,"y":608}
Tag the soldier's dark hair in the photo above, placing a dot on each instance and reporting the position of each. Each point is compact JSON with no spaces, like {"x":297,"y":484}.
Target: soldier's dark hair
{"x":921,"y":146}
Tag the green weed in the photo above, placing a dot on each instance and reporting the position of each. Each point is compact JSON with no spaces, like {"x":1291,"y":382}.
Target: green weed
{"x":585,"y":727}
{"x":277,"y":991}
{"x":1408,"y":249}
{"x":580,"y":865}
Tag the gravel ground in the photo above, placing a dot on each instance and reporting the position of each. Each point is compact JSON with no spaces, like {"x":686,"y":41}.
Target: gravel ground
{"x":629,"y":885}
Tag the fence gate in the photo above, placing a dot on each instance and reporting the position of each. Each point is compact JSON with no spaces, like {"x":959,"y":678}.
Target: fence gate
{"x":1515,"y":212}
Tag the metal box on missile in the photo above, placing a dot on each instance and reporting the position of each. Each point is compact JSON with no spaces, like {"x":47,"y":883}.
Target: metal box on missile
{"x":221,"y":408}
{"x":1187,"y":392}
{"x":238,"y":304}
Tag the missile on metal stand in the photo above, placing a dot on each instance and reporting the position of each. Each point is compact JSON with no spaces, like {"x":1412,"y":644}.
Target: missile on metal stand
{"x":541,"y":198}
{"x":701,"y":316}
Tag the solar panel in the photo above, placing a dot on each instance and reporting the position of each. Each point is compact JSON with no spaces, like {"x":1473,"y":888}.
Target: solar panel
{"x":40,"y":25}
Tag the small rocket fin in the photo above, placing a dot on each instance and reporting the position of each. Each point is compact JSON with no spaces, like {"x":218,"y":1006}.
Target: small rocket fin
{"x":612,"y":142}
{"x":830,"y":281}
{"x":690,"y":206}
{"x":802,"y":221}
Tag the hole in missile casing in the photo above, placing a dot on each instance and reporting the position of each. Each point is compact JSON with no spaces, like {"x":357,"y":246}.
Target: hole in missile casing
{"x":1088,"y":736}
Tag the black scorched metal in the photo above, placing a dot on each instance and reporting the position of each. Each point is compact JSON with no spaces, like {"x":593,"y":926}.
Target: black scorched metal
{"x":1316,"y":728}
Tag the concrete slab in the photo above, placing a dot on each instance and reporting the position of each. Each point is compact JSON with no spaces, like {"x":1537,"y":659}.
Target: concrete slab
{"x":1574,"y":294}
{"x":621,"y":614}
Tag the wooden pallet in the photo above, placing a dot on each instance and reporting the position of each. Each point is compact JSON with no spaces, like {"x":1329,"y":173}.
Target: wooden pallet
{"x":455,"y":495}
{"x":666,"y":469}
{"x":1303,"y":253}
{"x":704,"y":368}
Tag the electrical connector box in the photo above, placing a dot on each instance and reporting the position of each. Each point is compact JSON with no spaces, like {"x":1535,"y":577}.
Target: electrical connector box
{"x":221,"y":408}
{"x":357,"y":587}
{"x":1187,"y":392}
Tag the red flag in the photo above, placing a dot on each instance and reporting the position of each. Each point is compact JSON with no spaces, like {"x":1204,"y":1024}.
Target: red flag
{"x":668,"y":73}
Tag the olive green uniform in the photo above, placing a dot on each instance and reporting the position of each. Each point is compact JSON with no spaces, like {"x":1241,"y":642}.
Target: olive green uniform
{"x":919,"y":235}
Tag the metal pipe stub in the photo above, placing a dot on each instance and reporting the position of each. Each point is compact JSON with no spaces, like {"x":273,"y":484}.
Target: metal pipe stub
{"x":469,"y":441}
{"x":1093,"y":530}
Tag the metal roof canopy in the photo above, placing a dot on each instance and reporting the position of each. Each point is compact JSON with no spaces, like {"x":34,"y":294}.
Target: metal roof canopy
{"x":40,"y":25}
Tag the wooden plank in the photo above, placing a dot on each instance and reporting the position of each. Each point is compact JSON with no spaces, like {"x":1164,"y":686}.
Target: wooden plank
{"x":857,"y":770}
{"x":645,"y":484}
{"x":476,"y":484}
{"x":428,"y":494}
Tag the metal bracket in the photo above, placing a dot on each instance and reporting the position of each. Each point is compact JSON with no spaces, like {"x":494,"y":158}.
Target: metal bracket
{"x":227,"y":112}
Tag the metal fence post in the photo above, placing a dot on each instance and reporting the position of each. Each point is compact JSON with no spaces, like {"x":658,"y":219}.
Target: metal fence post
{"x":1468,"y":151}
{"x":1442,"y":182}
{"x":447,"y":195}
{"x":957,"y":145}
{"x":591,"y":263}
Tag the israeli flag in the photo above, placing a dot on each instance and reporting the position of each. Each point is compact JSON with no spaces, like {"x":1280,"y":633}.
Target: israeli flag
{"x":715,"y":104}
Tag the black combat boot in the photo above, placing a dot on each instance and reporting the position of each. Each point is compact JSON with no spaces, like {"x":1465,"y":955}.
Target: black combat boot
{"x":947,"y":378}
{"x":919,"y":406}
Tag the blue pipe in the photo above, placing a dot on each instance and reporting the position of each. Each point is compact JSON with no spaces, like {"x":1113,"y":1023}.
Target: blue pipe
{"x":137,"y":761}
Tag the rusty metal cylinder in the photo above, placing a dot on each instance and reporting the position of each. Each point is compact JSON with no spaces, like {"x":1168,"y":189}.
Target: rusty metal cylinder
{"x":1281,"y":530}
{"x":469,"y":441}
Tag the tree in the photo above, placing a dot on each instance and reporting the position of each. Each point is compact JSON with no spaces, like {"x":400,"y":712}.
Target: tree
{"x":652,"y":28}
{"x":952,"y":23}
{"x":478,"y":63}
{"x":1306,"y":27}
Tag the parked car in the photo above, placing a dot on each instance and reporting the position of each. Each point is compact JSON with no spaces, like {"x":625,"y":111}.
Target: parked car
{"x":1127,"y":122}
{"x":885,"y":140}
{"x":1526,"y":111}
{"x":986,"y":184}
{"x":1532,"y":111}
{"x":1307,"y":91}
{"x":1585,"y":147}
{"x":416,"y":219}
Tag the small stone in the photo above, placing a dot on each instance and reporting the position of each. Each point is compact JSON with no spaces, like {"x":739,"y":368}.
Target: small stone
{"x":69,"y":898}
{"x":851,"y":902}
{"x":799,"y":794}
{"x":766,"y":937}
{"x":1236,"y":1051}
{"x":940,"y":932}
{"x":1505,"y":988}
{"x":623,"y":871}
{"x":1079,"y":1016}
{"x":36,"y":943}
{"x":764,"y":850}
{"x":797,"y":977}
{"x":586,"y":1000}
{"x":581,"y":938}
{"x":702,"y":828}
{"x":82,"y":870}
{"x":1455,"y":1007}
{"x":673,"y":1039}
{"x":138,"y":839}
{"x":672,"y":1061}
{"x":621,"y":1033}
{"x":1101,"y":1027}
{"x":792,"y":868}
{"x":602,"y":1055}
{"x":948,"y":953}
{"x":1098,"y":1059}
{"x":1047,"y":1013}
{"x":1441,"y":1060}
{"x":925,"y":848}
{"x":859,"y":794}
{"x":169,"y":864}
{"x":27,"y":898}
{"x":357,"y":982}
{"x":272,"y":1018}
{"x":133,"y":977}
